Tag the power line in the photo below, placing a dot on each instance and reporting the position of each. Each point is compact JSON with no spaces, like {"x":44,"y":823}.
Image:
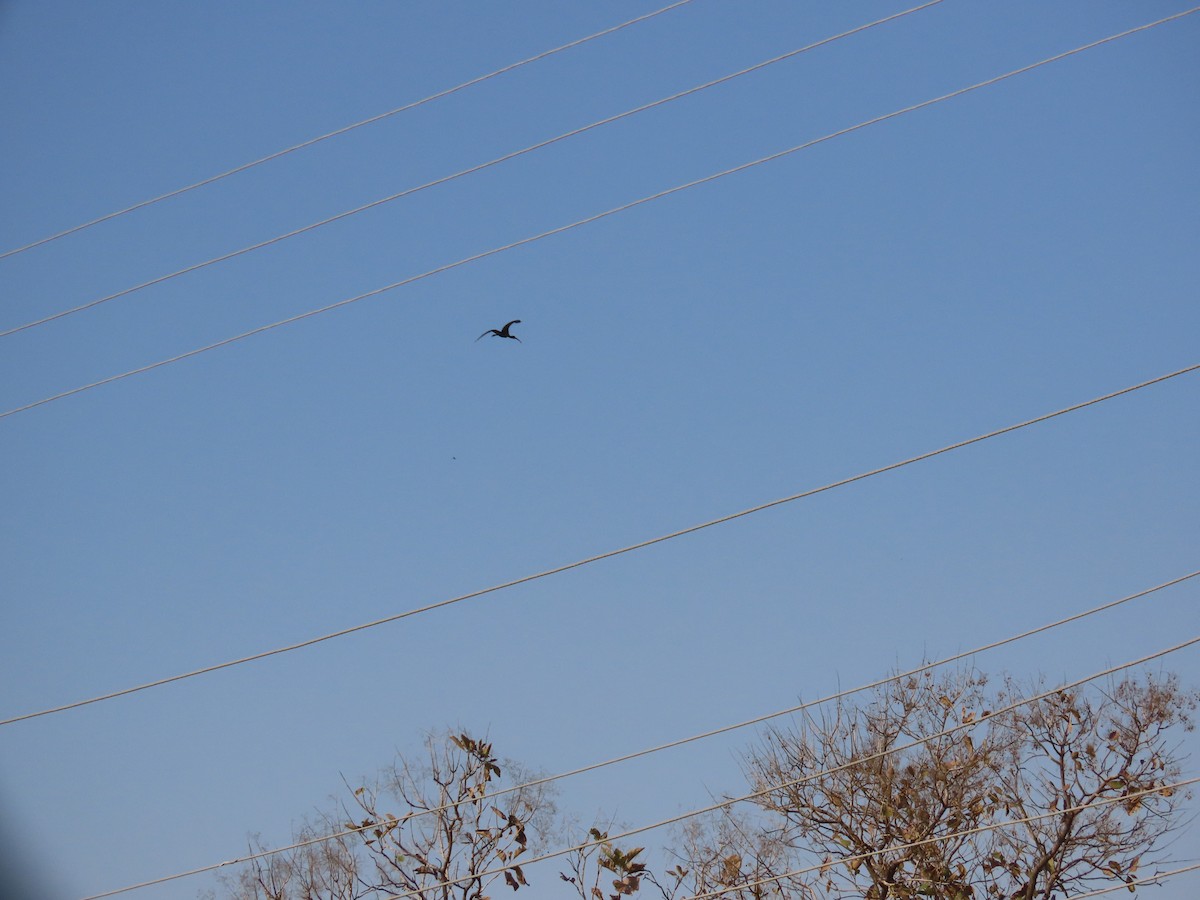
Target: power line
{"x":463,"y":172}
{"x":1107,"y":801}
{"x":593,"y":218}
{"x":601,"y":556}
{"x":677,"y":743}
{"x":1146,"y":879}
{"x":324,"y":137}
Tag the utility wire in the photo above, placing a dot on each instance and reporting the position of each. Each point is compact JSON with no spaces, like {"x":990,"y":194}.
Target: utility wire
{"x":672,"y":744}
{"x":600,"y":556}
{"x":594,"y":218}
{"x":724,"y":804}
{"x":447,"y":178}
{"x":308,"y":143}
{"x":1146,"y":879}
{"x":912,"y":845}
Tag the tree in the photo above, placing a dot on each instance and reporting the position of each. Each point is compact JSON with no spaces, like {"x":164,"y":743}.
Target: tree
{"x":736,"y":853}
{"x":940,"y":787}
{"x":841,"y":792}
{"x":429,"y":828}
{"x":599,"y":859}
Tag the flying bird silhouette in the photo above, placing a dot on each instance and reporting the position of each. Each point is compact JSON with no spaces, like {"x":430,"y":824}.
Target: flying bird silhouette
{"x":502,"y":332}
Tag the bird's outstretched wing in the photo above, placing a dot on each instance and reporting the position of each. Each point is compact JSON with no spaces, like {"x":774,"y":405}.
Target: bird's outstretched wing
{"x":486,"y":333}
{"x":504,"y":330}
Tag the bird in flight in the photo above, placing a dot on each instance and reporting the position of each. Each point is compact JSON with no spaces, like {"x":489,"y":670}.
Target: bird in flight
{"x":502,"y":332}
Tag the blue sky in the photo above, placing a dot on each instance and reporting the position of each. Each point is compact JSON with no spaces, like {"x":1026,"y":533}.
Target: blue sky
{"x":955,"y":270}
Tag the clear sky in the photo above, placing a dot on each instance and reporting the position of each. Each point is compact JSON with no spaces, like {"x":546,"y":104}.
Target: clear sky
{"x":958,"y":269}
